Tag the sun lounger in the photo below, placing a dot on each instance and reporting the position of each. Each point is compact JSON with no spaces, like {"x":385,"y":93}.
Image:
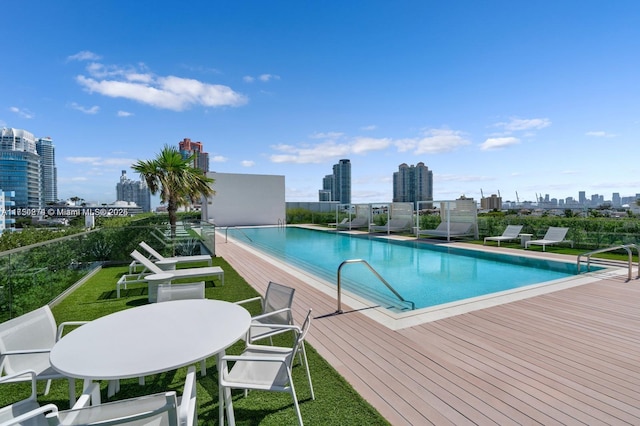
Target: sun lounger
{"x":177,"y":259}
{"x":205,"y":271}
{"x":451,"y":229}
{"x":510,"y":233}
{"x":394,"y":225}
{"x":356,"y":223}
{"x":554,"y":235}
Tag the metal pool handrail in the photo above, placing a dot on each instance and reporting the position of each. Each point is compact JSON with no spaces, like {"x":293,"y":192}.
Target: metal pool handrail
{"x":226,"y":230}
{"x":393,"y":290}
{"x":626,"y":247}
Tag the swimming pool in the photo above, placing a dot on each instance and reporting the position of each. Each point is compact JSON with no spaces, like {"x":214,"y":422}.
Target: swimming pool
{"x":425,"y":274}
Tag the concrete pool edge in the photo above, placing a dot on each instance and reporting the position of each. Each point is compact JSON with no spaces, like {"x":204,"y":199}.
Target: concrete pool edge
{"x":397,"y":321}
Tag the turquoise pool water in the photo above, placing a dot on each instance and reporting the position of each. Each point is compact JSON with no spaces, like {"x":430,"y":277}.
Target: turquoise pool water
{"x":425,"y":274}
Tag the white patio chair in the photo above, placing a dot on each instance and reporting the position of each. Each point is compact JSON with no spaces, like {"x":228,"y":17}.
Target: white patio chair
{"x":268,"y":368}
{"x":181,"y":291}
{"x":26,"y":411}
{"x":168,"y":292}
{"x":25,"y":343}
{"x":276,"y":311}
{"x":159,"y":409}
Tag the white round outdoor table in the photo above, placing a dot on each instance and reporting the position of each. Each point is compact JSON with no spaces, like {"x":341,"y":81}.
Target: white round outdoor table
{"x":151,"y":339}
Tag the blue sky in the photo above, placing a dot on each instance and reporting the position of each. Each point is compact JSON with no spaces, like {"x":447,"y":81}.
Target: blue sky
{"x":533,"y":97}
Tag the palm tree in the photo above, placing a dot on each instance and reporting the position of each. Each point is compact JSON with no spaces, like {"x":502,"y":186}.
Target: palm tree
{"x":178,"y":182}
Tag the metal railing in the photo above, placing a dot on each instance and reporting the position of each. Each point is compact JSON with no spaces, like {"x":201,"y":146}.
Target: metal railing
{"x":226,"y":232}
{"x":339,"y":284}
{"x":626,"y":247}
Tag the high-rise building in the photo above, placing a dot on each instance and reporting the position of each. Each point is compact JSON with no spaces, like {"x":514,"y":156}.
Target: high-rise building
{"x":134,"y":191}
{"x":200,"y":158}
{"x":20,"y":167}
{"x":582,"y":198}
{"x":7,"y":222}
{"x":616,"y":200}
{"x":48,"y":171}
{"x":412,"y":183}
{"x":337,"y":186}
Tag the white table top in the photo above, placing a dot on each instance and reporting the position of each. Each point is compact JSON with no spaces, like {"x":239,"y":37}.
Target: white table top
{"x":150,"y":339}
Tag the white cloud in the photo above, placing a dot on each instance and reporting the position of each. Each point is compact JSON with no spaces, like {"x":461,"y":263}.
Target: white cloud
{"x":92,"y":110}
{"x":248,"y":163}
{"x":600,"y":134}
{"x":219,"y":159}
{"x":362,"y":145}
{"x":326,"y":135}
{"x":124,"y":114}
{"x":24,"y":113}
{"x":166,"y":92}
{"x":434,"y":141}
{"x":265,"y":78}
{"x":99,"y":161}
{"x":268,"y":77}
{"x":369,"y":128}
{"x":517,"y":124}
{"x":84,"y":55}
{"x":497,"y":143}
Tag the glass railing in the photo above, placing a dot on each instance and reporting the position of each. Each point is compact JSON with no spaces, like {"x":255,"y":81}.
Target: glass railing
{"x":35,"y":275}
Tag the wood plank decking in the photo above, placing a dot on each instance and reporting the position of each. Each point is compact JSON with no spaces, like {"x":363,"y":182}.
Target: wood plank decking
{"x":568,"y":357}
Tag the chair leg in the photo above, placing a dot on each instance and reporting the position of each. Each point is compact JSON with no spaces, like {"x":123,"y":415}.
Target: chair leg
{"x":295,"y":401}
{"x":47,"y":388}
{"x":203,"y":367}
{"x":306,"y":366}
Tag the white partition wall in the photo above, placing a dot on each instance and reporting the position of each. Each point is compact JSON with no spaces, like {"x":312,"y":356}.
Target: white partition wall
{"x":243,"y":199}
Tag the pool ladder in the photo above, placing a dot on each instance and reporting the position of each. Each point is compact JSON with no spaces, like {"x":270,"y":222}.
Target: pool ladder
{"x":626,"y":247}
{"x":226,"y":231}
{"x":393,"y":290}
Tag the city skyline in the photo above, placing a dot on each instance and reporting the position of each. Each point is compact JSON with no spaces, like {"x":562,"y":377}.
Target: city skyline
{"x":498,"y":97}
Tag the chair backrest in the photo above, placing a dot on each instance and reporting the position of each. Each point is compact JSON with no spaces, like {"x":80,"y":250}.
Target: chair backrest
{"x":146,"y":262}
{"x":512,"y":231}
{"x":33,"y":330}
{"x":158,"y":410}
{"x":181,"y":291}
{"x":555,"y":233}
{"x":150,"y":250}
{"x":278,"y":297}
{"x":304,"y":329}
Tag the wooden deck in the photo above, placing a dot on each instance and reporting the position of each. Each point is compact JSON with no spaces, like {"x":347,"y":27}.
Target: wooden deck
{"x":568,"y":357}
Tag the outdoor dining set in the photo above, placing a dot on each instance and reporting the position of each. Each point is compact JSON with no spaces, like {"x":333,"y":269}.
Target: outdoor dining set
{"x":134,"y":343}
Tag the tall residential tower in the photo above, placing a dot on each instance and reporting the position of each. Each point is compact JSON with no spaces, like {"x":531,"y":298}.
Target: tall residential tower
{"x":200,"y":158}
{"x":134,"y":191}
{"x":337,"y":186}
{"x":20,"y":167}
{"x":412,"y":183}
{"x":48,"y":170}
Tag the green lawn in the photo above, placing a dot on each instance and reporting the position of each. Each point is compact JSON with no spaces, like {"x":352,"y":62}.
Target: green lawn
{"x":336,"y":402}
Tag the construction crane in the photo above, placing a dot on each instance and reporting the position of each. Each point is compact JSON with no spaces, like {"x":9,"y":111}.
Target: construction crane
{"x":517,"y":198}
{"x":481,"y":194}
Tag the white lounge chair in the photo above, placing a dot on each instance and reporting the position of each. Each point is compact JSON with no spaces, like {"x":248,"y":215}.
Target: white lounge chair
{"x":554,"y":235}
{"x":267,"y":367}
{"x":450,"y":229}
{"x":394,"y":225}
{"x":205,"y":271}
{"x":25,"y":343}
{"x":355,"y":223}
{"x":509,"y":234}
{"x":178,"y":259}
